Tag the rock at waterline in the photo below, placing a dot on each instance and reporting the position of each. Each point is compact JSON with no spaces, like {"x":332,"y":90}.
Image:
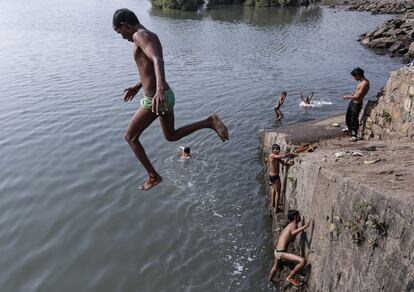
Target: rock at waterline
{"x":394,"y":36}
{"x":411,"y":49}
{"x":395,"y":47}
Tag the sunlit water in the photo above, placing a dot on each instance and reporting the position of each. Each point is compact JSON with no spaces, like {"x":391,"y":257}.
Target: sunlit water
{"x":71,"y":218}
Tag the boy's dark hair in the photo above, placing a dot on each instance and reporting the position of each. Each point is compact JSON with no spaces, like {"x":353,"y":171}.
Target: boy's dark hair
{"x":275,"y":147}
{"x":291,"y":214}
{"x":284,"y":93}
{"x":124,"y":15}
{"x":357,"y":72}
{"x":187,"y":150}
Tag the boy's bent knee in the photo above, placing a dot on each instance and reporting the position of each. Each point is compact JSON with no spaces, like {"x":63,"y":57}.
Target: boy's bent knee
{"x":302,"y":262}
{"x":130,"y":139}
{"x":171,"y":137}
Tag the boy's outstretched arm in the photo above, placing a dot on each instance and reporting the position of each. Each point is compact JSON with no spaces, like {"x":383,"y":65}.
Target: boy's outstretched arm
{"x":284,"y":163}
{"x":300,"y":229}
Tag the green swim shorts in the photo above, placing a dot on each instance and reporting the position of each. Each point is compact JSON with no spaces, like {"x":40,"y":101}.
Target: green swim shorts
{"x":146,"y":102}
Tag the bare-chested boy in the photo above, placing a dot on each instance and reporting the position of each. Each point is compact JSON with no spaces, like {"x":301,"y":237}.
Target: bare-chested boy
{"x":275,"y":158}
{"x":287,"y":237}
{"x":158,"y":98}
{"x":355,"y":105}
{"x":279,"y":104}
{"x":306,"y":99}
{"x":186,"y":153}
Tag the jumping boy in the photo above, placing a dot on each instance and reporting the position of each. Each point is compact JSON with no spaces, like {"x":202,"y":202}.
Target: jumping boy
{"x":288,"y":236}
{"x":158,"y":98}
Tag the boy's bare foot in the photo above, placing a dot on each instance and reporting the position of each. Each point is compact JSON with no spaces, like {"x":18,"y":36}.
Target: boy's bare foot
{"x":294,"y":282}
{"x":219,"y":127}
{"x":151,"y":182}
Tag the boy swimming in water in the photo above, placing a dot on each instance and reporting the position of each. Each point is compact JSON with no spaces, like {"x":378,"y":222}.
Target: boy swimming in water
{"x":288,"y":236}
{"x":186,"y":153}
{"x":306,"y":99}
{"x":275,"y":158}
{"x":159,"y":99}
{"x":279,"y":103}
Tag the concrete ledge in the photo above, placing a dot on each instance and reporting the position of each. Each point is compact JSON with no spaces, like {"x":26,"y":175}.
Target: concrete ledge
{"x":307,"y":132}
{"x":363,"y":238}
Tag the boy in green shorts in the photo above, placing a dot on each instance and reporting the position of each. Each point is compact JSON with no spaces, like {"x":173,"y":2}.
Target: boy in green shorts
{"x":158,"y":98}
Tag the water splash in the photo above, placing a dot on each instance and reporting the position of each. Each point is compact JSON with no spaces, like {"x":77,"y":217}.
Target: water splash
{"x":316,"y":104}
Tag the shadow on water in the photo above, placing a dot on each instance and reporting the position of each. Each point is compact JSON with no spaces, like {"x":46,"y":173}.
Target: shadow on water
{"x":305,"y":241}
{"x":309,"y":13}
{"x":257,"y":16}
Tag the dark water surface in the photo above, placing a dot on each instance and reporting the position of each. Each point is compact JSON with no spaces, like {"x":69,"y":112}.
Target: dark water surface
{"x":71,"y":218}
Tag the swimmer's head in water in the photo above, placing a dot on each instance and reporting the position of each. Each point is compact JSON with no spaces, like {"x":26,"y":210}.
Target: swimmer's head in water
{"x":284,"y":93}
{"x":358,"y":73}
{"x":187,"y":150}
{"x":124,"y":22}
{"x":275,"y":148}
{"x":293,"y":215}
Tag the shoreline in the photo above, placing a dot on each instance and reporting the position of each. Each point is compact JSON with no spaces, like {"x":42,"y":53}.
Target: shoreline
{"x":394,"y":37}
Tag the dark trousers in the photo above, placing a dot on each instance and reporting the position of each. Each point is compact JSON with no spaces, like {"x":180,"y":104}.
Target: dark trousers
{"x":352,"y":115}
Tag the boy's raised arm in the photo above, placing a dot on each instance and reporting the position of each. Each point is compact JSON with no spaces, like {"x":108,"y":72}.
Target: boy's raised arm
{"x":300,"y":229}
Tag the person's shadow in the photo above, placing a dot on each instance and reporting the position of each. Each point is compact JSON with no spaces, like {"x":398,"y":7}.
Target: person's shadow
{"x":371,"y":104}
{"x":305,"y":242}
{"x":277,"y":124}
{"x":283,"y":189}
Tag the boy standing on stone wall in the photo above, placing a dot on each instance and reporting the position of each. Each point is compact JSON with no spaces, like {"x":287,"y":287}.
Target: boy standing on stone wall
{"x":276,"y":158}
{"x":356,"y":101}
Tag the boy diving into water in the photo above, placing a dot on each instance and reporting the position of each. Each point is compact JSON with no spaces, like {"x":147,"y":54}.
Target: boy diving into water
{"x":158,"y":98}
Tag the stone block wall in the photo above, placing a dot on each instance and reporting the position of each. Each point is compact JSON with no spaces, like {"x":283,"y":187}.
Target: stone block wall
{"x":391,"y":116}
{"x":363,"y":238}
